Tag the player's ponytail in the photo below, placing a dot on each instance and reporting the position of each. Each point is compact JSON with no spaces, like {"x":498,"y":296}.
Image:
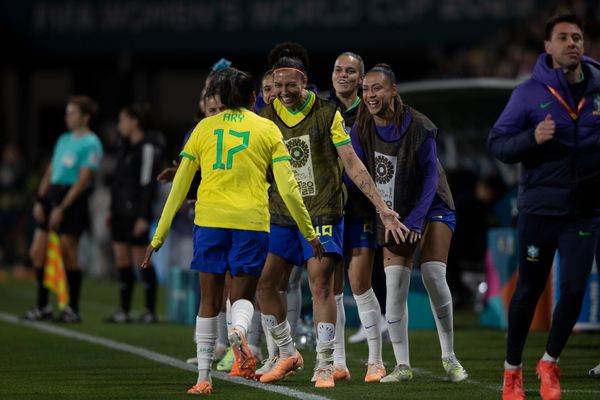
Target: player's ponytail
{"x":234,"y":87}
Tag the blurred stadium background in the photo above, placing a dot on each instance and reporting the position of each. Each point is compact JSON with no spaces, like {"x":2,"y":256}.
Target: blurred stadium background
{"x":457,"y":61}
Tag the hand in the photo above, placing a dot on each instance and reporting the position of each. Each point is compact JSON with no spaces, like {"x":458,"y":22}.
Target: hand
{"x":56,"y":217}
{"x":38,"y":212}
{"x":168,"y":174}
{"x":318,"y":248}
{"x":140,"y":227}
{"x":544,"y":131}
{"x":148,"y":256}
{"x":414,"y":237}
{"x":393,"y":225}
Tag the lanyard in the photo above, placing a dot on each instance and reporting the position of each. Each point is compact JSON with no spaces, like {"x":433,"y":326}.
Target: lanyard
{"x":574,"y":115}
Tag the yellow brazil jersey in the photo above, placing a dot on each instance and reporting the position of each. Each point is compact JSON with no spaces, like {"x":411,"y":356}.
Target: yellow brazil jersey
{"x":339,"y":136}
{"x":234,"y":149}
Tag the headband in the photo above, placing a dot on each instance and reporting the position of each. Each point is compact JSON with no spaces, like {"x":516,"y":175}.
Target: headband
{"x":289,"y":68}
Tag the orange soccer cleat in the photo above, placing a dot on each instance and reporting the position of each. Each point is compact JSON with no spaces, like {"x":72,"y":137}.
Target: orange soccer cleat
{"x":375,"y":373}
{"x":340,"y":373}
{"x":549,"y":375}
{"x":203,"y":387}
{"x":245,"y":363}
{"x":324,"y":377}
{"x":283,"y":367}
{"x":513,"y":385}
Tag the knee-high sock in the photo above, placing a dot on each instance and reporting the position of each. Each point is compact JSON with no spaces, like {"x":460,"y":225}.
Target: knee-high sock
{"x":206,"y":336}
{"x":150,"y":285}
{"x":325,"y":343}
{"x":222,"y":329}
{"x":42,"y":290}
{"x":74,"y":283}
{"x":397,"y":279}
{"x":272,"y":348}
{"x":228,"y":315}
{"x":339,"y":349}
{"x":241,"y":315}
{"x":293,"y":297}
{"x":126,"y":279}
{"x":434,"y":278}
{"x":255,"y":333}
{"x":369,"y":313}
{"x":281,"y":335}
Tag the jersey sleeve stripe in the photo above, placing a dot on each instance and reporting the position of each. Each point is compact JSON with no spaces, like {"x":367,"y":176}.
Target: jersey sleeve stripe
{"x":186,"y":155}
{"x":283,"y":158}
{"x":342,"y":143}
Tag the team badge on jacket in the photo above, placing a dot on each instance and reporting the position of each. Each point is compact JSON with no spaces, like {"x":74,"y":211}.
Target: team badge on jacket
{"x":532,"y":253}
{"x":596,"y":105}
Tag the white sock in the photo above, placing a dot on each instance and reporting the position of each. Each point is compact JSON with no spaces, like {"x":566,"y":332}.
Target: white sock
{"x":369,"y":313}
{"x":325,"y":343}
{"x":397,"y":280}
{"x":339,"y":349}
{"x":281,"y":336}
{"x":434,"y":278}
{"x":228,"y":315}
{"x":255,"y":333}
{"x":293,"y":297}
{"x":206,"y":336}
{"x":548,"y":358}
{"x":222,"y":329}
{"x":513,"y":367}
{"x":241,"y":315}
{"x":272,"y":348}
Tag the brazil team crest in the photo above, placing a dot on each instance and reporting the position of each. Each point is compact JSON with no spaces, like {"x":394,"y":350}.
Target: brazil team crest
{"x":596,"y":110}
{"x":533,"y":253}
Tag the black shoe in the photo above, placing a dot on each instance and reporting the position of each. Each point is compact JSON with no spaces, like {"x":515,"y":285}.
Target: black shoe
{"x":148,"y":317}
{"x":120,"y":317}
{"x":38,"y":314}
{"x":68,"y":316}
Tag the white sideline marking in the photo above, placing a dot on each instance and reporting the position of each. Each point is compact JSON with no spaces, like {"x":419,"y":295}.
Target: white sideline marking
{"x":153,"y":356}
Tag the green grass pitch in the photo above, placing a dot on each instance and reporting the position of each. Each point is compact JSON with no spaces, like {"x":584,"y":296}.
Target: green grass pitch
{"x":40,"y":365}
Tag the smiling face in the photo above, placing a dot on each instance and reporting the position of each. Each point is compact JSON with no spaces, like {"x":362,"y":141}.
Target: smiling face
{"x":268,"y":89}
{"x":565,"y":45}
{"x":346,"y":76}
{"x":378,"y":94}
{"x":289,"y":83}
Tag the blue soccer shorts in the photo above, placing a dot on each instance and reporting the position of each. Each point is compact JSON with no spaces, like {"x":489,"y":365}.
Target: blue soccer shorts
{"x":287,"y":242}
{"x":217,"y":250}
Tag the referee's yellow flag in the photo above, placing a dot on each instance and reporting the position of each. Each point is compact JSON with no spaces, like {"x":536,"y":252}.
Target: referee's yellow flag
{"x":54,"y":271}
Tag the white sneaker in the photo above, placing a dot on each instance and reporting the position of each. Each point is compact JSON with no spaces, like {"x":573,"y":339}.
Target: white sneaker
{"x":454,"y":371}
{"x":401,"y":373}
{"x":360,"y":336}
{"x":192,"y":360}
{"x":595,"y":370}
{"x":267,"y":365}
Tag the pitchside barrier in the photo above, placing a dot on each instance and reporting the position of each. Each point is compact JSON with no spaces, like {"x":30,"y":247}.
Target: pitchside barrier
{"x":501,"y":277}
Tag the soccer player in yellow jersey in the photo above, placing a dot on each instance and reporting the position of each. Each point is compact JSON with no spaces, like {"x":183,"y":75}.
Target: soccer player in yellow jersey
{"x":234,"y":149}
{"x":313,"y":129}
